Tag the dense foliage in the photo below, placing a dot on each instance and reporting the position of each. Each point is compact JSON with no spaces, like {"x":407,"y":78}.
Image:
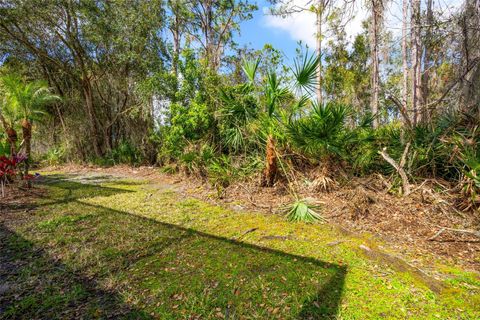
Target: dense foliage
{"x":160,"y":82}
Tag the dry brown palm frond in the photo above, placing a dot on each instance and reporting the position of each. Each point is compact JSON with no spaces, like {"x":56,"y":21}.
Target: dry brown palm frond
{"x":469,"y":199}
{"x":323,"y":182}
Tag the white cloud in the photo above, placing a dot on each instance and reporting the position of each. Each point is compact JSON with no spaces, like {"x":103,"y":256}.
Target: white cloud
{"x":354,"y":24}
{"x":301,"y":26}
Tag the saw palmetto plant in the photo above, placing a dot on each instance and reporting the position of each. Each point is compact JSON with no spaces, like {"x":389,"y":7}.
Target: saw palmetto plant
{"x":303,"y":210}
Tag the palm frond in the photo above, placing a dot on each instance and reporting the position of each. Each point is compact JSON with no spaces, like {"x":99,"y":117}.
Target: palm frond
{"x":302,"y":210}
{"x":274,"y":93}
{"x":305,"y":71}
{"x":250,"y":68}
{"x":302,"y":102}
{"x":322,"y":132}
{"x":24,"y":100}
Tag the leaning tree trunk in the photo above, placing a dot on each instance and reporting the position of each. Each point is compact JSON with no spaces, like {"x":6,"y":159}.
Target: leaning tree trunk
{"x":27,"y":138}
{"x":270,"y":172}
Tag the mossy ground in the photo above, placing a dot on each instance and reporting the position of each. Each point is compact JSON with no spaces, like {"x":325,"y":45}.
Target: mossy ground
{"x":110,"y":248}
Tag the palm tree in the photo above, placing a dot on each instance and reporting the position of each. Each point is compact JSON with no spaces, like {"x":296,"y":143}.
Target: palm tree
{"x":7,"y":119}
{"x":272,"y":93}
{"x":24,"y":101}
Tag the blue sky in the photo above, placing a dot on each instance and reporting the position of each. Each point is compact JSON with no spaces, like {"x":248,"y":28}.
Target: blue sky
{"x":284,"y":34}
{"x":257,"y":32}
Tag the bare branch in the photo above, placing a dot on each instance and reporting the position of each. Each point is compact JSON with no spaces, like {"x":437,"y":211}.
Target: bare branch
{"x":400,"y":170}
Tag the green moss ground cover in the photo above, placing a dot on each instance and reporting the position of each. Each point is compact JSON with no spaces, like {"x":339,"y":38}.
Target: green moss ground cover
{"x":130,"y":249}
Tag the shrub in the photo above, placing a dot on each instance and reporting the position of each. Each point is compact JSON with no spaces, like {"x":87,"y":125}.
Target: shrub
{"x":196,"y":159}
{"x":365,"y":142}
{"x":125,"y":153}
{"x":8,"y":170}
{"x":4,"y":147}
{"x":187,"y":123}
{"x":238,"y":109}
{"x":471,"y":182}
{"x":322,"y":133}
{"x":223,"y":170}
{"x":54,"y":156}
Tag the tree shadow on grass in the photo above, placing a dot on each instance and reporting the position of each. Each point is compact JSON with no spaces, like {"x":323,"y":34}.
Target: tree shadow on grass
{"x":93,"y":179}
{"x":173,"y":272}
{"x":34,"y":286}
{"x":73,"y":187}
{"x":83,"y":187}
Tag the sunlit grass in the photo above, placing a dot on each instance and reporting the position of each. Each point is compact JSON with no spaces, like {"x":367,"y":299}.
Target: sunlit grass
{"x":131,"y":248}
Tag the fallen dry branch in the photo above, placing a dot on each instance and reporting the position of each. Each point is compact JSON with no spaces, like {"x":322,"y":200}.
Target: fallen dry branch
{"x":443,"y":229}
{"x":399,"y":167}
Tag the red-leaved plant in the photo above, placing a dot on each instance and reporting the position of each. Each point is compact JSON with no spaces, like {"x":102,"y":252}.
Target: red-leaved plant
{"x":8,"y":170}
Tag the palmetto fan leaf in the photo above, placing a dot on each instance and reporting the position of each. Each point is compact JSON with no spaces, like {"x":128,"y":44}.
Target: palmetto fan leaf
{"x":234,"y":138}
{"x":305,"y":71}
{"x":300,"y":105}
{"x":250,"y":68}
{"x":274,"y":92}
{"x":238,"y":109}
{"x":301,"y":210}
{"x":322,"y":131}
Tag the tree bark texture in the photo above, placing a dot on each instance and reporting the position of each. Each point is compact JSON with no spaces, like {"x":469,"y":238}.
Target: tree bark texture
{"x":376,"y":12}
{"x":271,"y":170}
{"x":27,"y":138}
{"x":416,"y":60}
{"x":405,"y":56}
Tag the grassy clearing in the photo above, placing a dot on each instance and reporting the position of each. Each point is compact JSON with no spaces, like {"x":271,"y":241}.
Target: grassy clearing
{"x":128,"y":249}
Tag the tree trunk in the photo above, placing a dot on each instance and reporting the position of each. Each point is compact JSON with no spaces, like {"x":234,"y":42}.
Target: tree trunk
{"x":427,"y":57}
{"x":416,"y":58}
{"x":176,"y":34}
{"x":319,"y":51}
{"x":271,"y":169}
{"x":88,"y":95}
{"x":3,"y":121}
{"x":27,"y":138}
{"x":404,"y":56}
{"x":470,"y":82}
{"x":374,"y":55}
{"x":107,"y":138}
{"x":11,"y":134}
{"x":176,"y":50}
{"x":209,"y":33}
{"x":12,"y":140}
